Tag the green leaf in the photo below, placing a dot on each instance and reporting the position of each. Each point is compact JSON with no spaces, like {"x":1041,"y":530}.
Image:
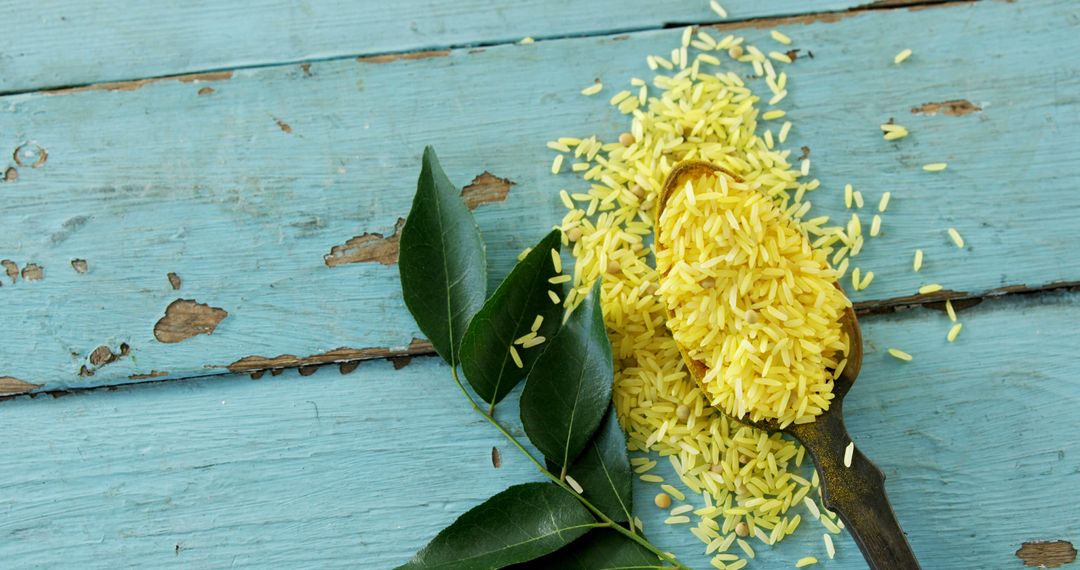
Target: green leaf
{"x":519,"y":524}
{"x":441,"y":261}
{"x":569,"y":387}
{"x":601,"y":549}
{"x":509,"y":315}
{"x":603,"y":470}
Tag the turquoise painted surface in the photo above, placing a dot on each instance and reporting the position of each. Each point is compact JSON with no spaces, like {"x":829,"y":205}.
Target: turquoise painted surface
{"x":132,"y":40}
{"x":360,"y":470}
{"x":161,"y":179}
{"x":335,"y":471}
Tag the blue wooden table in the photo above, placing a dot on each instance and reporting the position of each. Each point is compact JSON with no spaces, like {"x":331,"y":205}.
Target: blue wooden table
{"x":192,"y":196}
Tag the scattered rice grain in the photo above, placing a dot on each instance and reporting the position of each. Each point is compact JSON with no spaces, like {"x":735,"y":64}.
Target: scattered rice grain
{"x":556,"y":165}
{"x":780,"y":37}
{"x":955,"y":235}
{"x":897,"y":353}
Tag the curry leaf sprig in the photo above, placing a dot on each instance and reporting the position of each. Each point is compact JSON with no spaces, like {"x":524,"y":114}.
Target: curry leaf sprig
{"x":582,"y":518}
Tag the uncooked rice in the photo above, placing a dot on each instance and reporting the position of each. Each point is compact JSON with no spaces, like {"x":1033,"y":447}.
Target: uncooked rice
{"x":955,"y":235}
{"x":849,"y":453}
{"x":517,"y":359}
{"x":897,"y":353}
{"x":884,"y":203}
{"x":747,"y":479}
{"x":592,"y":89}
{"x":756,"y":303}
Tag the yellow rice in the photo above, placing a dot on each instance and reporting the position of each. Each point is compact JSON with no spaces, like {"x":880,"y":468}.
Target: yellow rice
{"x":747,"y":479}
{"x":751,"y":299}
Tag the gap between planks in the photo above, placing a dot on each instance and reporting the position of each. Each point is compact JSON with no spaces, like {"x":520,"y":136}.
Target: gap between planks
{"x":423,"y":348}
{"x":383,"y":57}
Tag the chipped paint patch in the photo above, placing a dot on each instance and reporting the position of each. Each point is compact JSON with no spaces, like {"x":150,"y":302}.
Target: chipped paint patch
{"x":30,"y":154}
{"x":11,"y":268}
{"x":367,"y":247}
{"x":11,"y":386}
{"x":149,"y":375}
{"x":952,"y":108}
{"x":348,"y":367}
{"x":392,"y":57}
{"x":185,"y":318}
{"x":486,"y":189}
{"x":103,"y":355}
{"x":400,"y":362}
{"x":205,"y":91}
{"x":80,"y":265}
{"x":1047,"y":554}
{"x":174,"y":281}
{"x":337,"y":356}
{"x":33,"y":272}
{"x":308,"y":370}
{"x":11,"y":174}
{"x":496,"y":457}
{"x":285,"y":128}
{"x":140,"y":83}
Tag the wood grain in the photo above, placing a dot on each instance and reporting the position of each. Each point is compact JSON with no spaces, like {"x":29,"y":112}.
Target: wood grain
{"x":133,"y":40}
{"x":335,"y":471}
{"x":161,"y":179}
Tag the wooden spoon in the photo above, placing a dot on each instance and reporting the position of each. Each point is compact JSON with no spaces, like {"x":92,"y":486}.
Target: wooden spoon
{"x":856,"y":493}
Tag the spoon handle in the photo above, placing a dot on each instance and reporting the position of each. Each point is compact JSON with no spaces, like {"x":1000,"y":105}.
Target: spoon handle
{"x":856,"y":493}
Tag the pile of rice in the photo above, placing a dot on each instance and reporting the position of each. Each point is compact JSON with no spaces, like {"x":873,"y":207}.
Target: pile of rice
{"x":694,"y":108}
{"x":698,"y":107}
{"x":750,"y":299}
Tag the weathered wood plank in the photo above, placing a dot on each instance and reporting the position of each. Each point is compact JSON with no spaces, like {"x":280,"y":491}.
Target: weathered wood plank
{"x":252,"y":191}
{"x":360,"y":470}
{"x":131,"y":40}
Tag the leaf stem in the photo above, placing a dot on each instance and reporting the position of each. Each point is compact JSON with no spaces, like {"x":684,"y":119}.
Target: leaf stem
{"x":606,"y":520}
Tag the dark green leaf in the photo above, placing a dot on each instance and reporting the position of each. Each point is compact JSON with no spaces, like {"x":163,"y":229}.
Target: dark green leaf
{"x":601,"y":549}
{"x":519,"y":524}
{"x":569,"y":387}
{"x":603,"y":470}
{"x":441,"y":261}
{"x":509,"y":315}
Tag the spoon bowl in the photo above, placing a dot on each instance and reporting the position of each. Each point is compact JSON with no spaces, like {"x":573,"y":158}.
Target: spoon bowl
{"x":855,"y":492}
